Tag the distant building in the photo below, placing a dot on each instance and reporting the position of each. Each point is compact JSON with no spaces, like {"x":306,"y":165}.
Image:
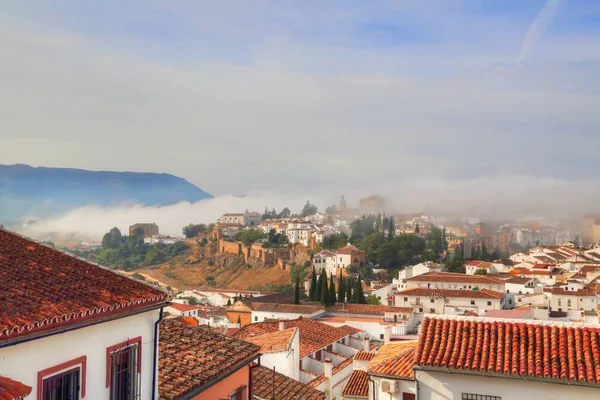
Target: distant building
{"x":373,"y":205}
{"x":149,"y":229}
{"x":246,"y":218}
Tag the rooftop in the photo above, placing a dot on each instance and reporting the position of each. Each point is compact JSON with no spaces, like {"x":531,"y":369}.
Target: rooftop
{"x":193,"y":356}
{"x":42,"y":288}
{"x":400,"y":365}
{"x":471,"y":294}
{"x":454,"y":277}
{"x":367,"y":309}
{"x":364,"y":356}
{"x":564,"y":353}
{"x":286,"y":308}
{"x":273,"y":342}
{"x":10,"y":389}
{"x":267,"y":384}
{"x":184,"y":307}
{"x":314,"y":335}
{"x":357,"y":385}
{"x":384,"y":360}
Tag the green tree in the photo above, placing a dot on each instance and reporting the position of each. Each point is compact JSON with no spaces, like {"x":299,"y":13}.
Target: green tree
{"x":359,"y":296}
{"x":249,"y":236}
{"x":228,"y":302}
{"x":297,"y":291}
{"x":239,"y":321}
{"x":434,"y":244}
{"x":349,"y":288}
{"x":373,"y":300}
{"x":192,"y":230}
{"x":319,"y":288}
{"x":335,"y":241}
{"x":112,"y":239}
{"x":313,"y":285}
{"x":391,"y":229}
{"x":341,"y":290}
{"x":324,"y":288}
{"x":417,"y":229}
{"x":456,"y":265}
{"x":481,"y":271}
{"x":298,"y":272}
{"x":309,"y":209}
{"x":331,"y":296}
{"x":285,"y":213}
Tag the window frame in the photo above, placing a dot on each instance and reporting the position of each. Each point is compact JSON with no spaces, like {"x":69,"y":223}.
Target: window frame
{"x":79,"y":362}
{"x":136,"y":340}
{"x":476,"y":396}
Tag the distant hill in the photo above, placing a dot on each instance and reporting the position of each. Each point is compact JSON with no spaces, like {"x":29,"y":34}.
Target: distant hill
{"x":42,"y":191}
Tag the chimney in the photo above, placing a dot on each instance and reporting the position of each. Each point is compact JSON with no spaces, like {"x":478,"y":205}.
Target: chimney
{"x":281,"y":325}
{"x":328,"y":372}
{"x":386,"y":334}
{"x":366,"y":344}
{"x":328,"y":368}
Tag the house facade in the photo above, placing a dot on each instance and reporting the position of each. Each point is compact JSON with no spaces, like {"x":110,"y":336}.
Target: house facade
{"x":68,"y":326}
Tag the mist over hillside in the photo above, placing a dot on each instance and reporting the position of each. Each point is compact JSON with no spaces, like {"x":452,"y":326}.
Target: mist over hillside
{"x":37,"y":193}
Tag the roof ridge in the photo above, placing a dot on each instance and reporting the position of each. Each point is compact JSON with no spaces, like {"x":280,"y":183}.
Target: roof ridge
{"x":559,"y":324}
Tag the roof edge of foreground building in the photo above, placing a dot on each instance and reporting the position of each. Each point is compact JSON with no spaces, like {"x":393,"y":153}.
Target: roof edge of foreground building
{"x":268,"y":384}
{"x":541,"y":351}
{"x":194,"y":358}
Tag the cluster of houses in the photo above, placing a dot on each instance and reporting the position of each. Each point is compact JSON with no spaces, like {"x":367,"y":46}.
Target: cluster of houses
{"x":70,"y":329}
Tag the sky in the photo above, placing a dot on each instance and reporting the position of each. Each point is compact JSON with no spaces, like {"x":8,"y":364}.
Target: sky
{"x":415,"y":98}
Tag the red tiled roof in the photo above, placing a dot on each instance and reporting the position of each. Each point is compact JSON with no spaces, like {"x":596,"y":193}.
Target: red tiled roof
{"x":348,"y":250}
{"x":393,"y":360}
{"x":358,"y":385}
{"x":518,"y":280}
{"x":11,"y":390}
{"x":367,"y":309}
{"x":400,"y":366}
{"x":183,"y":307}
{"x":471,"y":294}
{"x":286,"y":308}
{"x":42,"y":288}
{"x":537,"y":351}
{"x":285,"y":388}
{"x":364,"y":356}
{"x":350,"y":330}
{"x":314,"y":335}
{"x":454,"y":277}
{"x":274,"y":341}
{"x":192,"y":356}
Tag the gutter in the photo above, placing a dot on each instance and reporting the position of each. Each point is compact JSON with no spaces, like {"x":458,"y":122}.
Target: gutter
{"x":196,"y":392}
{"x":251,"y":378}
{"x":524,"y":379}
{"x":79,"y":325}
{"x":155,"y":359}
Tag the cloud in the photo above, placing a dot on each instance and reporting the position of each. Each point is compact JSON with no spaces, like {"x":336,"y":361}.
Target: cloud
{"x":538,"y":27}
{"x":503,"y":197}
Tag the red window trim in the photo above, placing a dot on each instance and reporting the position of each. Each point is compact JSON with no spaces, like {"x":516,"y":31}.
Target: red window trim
{"x":129,"y":342}
{"x":66,"y":365}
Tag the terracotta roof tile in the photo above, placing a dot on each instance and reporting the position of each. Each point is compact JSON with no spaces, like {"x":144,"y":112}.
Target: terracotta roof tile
{"x":286,"y":308}
{"x":367,"y":309}
{"x":285,"y":388}
{"x":389,"y":352}
{"x":364,"y":356}
{"x":350,"y":330}
{"x":314,"y":335}
{"x":273,"y":342}
{"x":400,"y":366}
{"x":541,"y":350}
{"x":184,"y":307}
{"x":358,"y":385}
{"x":42,"y":288}
{"x":454,"y":277}
{"x":192,"y":356}
{"x":10,"y":390}
{"x":471,"y":294}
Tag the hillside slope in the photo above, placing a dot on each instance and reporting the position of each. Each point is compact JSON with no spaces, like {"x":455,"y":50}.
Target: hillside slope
{"x":197,"y":268}
{"x":47,"y":191}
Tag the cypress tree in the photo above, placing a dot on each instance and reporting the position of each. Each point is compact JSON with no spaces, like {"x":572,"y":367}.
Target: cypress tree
{"x":313,"y":285}
{"x":239,"y":321}
{"x":417,"y":229}
{"x":297,"y":292}
{"x":392,"y":229}
{"x":331,"y":291}
{"x":324,"y":288}
{"x":359,"y":294}
{"x":318,"y":288}
{"x":349,"y":298}
{"x":341,"y":289}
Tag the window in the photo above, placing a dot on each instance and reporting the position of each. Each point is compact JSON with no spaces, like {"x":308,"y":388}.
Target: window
{"x":239,"y":394}
{"x":406,"y":299}
{"x":432,"y":300}
{"x":255,"y":319}
{"x":124,"y":366}
{"x":489,"y":303}
{"x":471,"y":396}
{"x":63,"y":386}
{"x":432,"y":310}
{"x":64,"y":381}
{"x":472,"y":302}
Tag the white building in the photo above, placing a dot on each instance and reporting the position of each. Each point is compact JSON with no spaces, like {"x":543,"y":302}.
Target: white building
{"x":418,"y":269}
{"x":280,"y":350}
{"x":450,"y":301}
{"x":450,"y":369}
{"x":264,"y":311}
{"x":183,"y":310}
{"x":474,"y":266}
{"x":449,"y":280}
{"x":68,"y":326}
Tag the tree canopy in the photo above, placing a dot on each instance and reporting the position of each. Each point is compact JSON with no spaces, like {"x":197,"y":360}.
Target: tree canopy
{"x":309,"y":209}
{"x":191,"y":230}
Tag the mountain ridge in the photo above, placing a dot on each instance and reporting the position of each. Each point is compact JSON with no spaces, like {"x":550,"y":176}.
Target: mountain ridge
{"x":45,"y":191}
